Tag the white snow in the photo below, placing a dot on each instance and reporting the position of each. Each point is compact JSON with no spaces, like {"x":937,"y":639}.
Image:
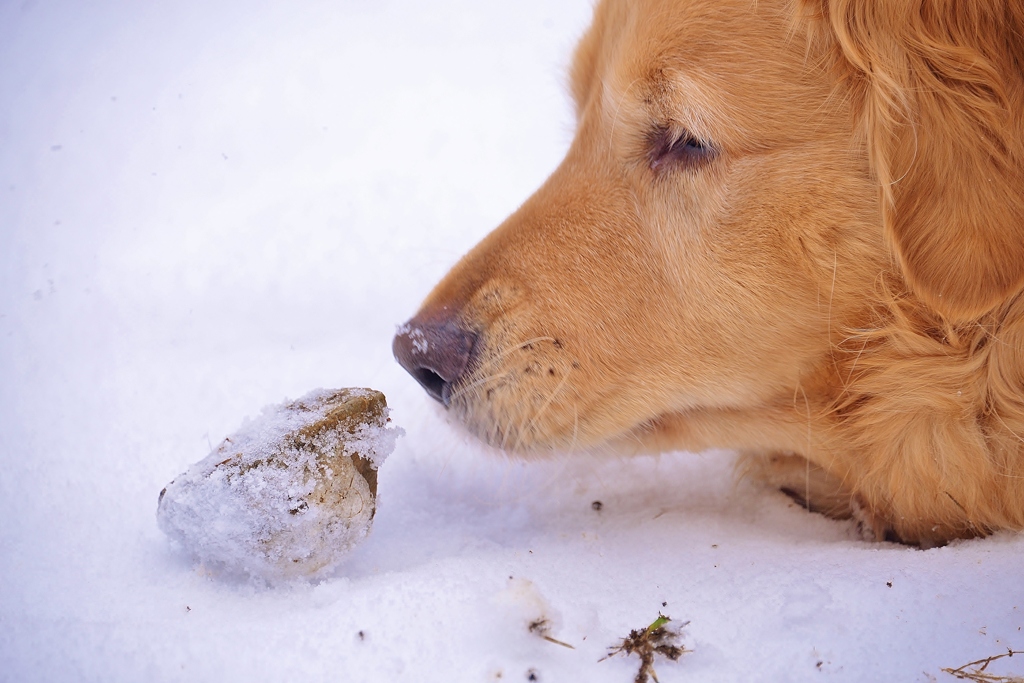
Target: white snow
{"x":420,"y":344}
{"x":207,"y":206}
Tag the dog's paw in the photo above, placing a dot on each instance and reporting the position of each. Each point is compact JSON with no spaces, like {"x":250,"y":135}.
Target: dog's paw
{"x":870,"y":526}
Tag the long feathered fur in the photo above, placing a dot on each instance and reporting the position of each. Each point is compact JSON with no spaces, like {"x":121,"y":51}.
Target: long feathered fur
{"x":939,"y":88}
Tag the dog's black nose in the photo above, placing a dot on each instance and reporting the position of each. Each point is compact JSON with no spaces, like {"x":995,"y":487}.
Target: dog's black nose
{"x":436,"y":353}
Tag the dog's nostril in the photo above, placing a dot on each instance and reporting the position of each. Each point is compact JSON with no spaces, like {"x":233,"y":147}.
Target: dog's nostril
{"x":435,"y":352}
{"x":432,"y":382}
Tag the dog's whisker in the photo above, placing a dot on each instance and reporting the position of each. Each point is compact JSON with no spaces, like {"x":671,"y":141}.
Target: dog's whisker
{"x":543,"y":408}
{"x":521,"y":345}
{"x":466,"y":388}
{"x":507,"y":432}
{"x":575,"y":426}
{"x":618,"y":106}
{"x":524,"y":428}
{"x":494,"y":360}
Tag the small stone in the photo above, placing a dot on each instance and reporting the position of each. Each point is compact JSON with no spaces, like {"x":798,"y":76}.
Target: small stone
{"x":290,"y":493}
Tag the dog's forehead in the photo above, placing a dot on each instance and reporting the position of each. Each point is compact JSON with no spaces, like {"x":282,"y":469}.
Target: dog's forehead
{"x":735,"y":70}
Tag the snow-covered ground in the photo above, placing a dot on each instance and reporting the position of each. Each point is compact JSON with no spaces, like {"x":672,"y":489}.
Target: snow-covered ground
{"x":206,"y":207}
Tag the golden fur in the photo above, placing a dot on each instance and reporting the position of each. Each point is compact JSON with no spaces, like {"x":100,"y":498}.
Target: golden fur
{"x":795,"y":229}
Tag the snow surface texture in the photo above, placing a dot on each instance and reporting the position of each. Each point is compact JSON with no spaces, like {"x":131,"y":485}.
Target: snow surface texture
{"x":207,"y":206}
{"x":288,"y":494}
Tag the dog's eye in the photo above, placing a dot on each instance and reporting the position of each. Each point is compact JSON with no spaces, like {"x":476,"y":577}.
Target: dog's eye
{"x":670,"y":147}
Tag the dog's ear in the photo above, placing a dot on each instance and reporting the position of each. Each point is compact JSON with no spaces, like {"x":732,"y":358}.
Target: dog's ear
{"x":938,"y":87}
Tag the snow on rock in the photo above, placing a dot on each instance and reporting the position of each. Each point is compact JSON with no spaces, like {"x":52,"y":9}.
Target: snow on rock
{"x":290,"y":493}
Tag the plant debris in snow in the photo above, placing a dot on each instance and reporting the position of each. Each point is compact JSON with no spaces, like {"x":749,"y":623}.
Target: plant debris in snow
{"x":656,"y":639}
{"x":542,"y":627}
{"x":975,"y":671}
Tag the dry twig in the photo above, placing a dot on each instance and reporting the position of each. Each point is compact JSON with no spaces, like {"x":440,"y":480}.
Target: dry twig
{"x":542,"y":627}
{"x":975,"y":671}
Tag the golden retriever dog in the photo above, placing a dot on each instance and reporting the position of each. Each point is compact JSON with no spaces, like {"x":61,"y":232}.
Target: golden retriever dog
{"x":794,"y":228}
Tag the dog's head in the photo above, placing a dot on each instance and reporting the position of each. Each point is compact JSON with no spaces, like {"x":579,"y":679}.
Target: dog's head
{"x":742,"y":177}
